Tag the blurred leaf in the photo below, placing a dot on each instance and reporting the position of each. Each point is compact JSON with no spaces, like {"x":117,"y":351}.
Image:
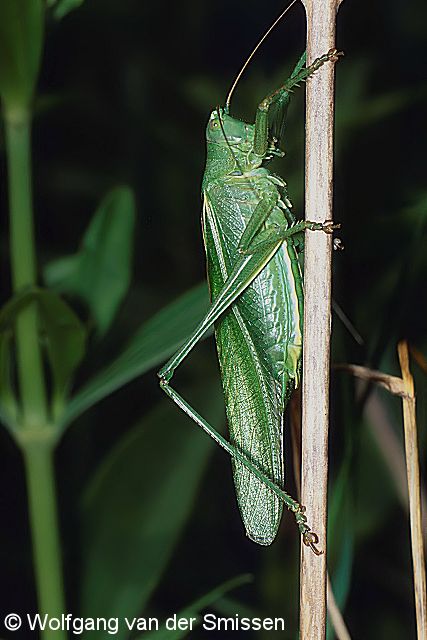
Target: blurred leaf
{"x":65,"y":339}
{"x":341,"y":525}
{"x":341,"y":539}
{"x":193,"y":610}
{"x":62,"y":7}
{"x":339,"y":509}
{"x":374,"y":501}
{"x":136,"y":507}
{"x":63,"y":333}
{"x":341,"y":579}
{"x":156,"y":340}
{"x":100,"y":272}
{"x":21,"y":38}
{"x":12,"y":308}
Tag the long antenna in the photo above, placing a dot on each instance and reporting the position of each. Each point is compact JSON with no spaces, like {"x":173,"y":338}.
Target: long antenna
{"x":239,"y":75}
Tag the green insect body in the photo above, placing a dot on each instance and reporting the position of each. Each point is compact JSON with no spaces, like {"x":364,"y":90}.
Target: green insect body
{"x":257,"y":304}
{"x":259,"y":341}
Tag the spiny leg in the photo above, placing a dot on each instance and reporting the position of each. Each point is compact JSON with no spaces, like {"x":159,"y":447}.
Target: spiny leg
{"x":269,"y":197}
{"x":277,"y":118}
{"x":245,"y":270}
{"x":261,"y":213}
{"x":299,"y":65}
{"x":310,"y":538}
{"x":300,"y":74}
{"x":251,"y":234}
{"x":270,"y":236}
{"x":243,"y":273}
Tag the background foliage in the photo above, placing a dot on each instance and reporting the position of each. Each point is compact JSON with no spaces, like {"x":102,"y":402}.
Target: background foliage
{"x":148,"y":516}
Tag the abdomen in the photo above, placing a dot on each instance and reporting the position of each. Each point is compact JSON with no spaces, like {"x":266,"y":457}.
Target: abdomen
{"x":259,"y":348}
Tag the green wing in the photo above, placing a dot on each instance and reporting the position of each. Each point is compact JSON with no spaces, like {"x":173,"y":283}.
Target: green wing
{"x":259,"y":346}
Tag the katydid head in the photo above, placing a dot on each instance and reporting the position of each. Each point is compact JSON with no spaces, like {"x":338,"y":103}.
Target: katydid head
{"x":229,"y":143}
{"x":224,"y":130}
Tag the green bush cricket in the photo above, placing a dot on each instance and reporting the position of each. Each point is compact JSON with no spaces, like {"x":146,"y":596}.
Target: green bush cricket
{"x":256,"y":307}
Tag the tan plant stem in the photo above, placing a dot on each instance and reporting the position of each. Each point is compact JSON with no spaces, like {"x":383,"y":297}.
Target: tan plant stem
{"x":335,"y":615}
{"x":321,"y":15}
{"x":413,"y":473}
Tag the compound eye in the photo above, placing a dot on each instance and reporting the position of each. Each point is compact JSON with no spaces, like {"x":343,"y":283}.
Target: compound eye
{"x":214,"y":124}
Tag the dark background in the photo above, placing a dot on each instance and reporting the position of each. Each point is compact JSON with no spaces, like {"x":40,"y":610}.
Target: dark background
{"x":124,"y":94}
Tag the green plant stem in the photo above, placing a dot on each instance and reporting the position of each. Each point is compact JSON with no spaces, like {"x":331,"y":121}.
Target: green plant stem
{"x":37,"y":434}
{"x":38,"y":457}
{"x":23,"y":264}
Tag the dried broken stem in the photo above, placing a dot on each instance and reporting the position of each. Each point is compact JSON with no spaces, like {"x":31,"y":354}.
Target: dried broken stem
{"x":335,"y":616}
{"x":392,"y":450}
{"x":413,"y":473}
{"x":404,"y":387}
{"x":393,"y":384}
